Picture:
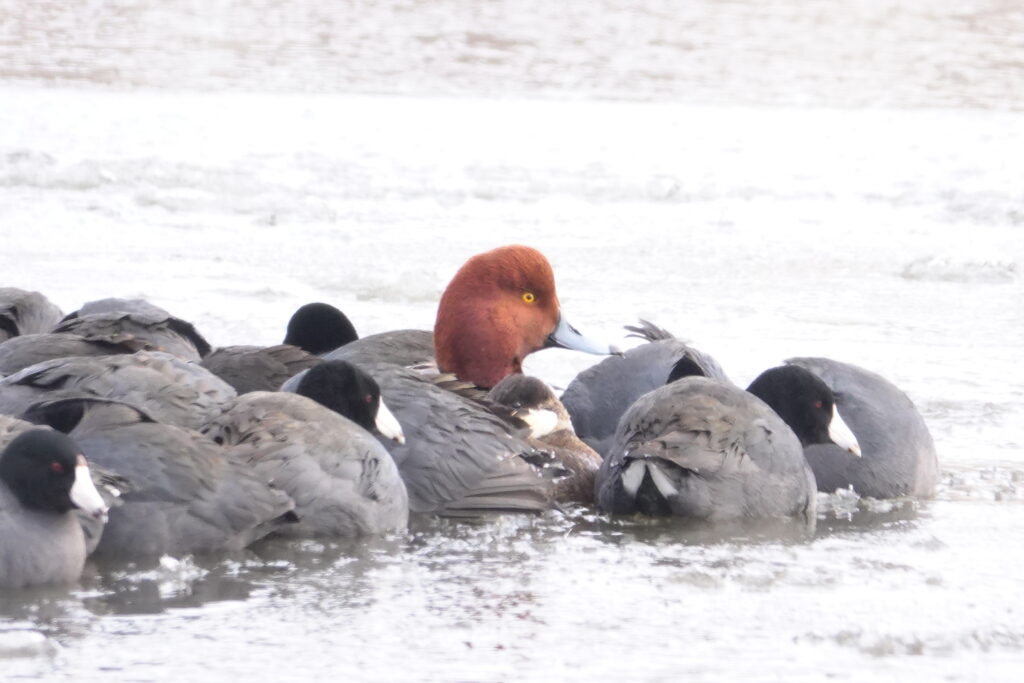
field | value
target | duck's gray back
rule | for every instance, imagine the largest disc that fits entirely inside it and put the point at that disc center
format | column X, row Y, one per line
column 898, row 454
column 458, row 458
column 398, row 347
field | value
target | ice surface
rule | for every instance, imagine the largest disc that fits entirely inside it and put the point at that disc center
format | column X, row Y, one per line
column 770, row 181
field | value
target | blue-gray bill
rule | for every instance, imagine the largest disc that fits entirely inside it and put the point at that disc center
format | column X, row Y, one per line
column 568, row 337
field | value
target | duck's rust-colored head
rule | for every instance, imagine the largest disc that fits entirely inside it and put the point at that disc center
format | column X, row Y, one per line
column 500, row 307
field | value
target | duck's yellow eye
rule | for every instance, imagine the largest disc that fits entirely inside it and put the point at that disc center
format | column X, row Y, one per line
column 528, row 297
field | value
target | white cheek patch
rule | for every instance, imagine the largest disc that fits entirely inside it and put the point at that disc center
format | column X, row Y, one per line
column 841, row 434
column 541, row 422
column 387, row 423
column 84, row 494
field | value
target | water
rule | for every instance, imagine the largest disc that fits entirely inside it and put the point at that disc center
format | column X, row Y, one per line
column 768, row 181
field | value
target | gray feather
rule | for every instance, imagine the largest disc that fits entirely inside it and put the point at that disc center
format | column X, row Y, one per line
column 343, row 481
column 172, row 390
column 258, row 368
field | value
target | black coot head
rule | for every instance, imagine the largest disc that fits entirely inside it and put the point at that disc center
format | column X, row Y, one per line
column 38, row 466
column 318, row 328
column 800, row 398
column 343, row 388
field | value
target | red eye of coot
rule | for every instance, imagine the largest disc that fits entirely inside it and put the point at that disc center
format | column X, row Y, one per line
column 817, row 404
column 369, row 398
column 57, row 467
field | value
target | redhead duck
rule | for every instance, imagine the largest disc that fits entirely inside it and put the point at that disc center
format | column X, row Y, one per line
column 24, row 312
column 43, row 478
column 531, row 400
column 459, row 458
column 705, row 450
column 898, row 455
column 500, row 306
column 316, row 446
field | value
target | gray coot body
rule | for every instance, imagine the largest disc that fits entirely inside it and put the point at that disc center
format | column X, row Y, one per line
column 343, row 481
column 701, row 449
column 170, row 389
column 898, row 454
column 43, row 478
column 25, row 312
column 102, row 328
column 258, row 368
column 137, row 319
column 187, row 494
column 109, row 485
column 21, row 352
column 169, row 335
column 397, row 347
